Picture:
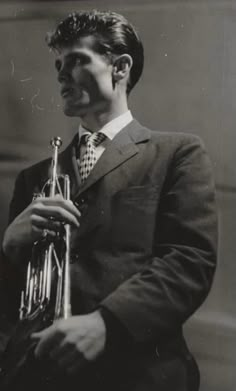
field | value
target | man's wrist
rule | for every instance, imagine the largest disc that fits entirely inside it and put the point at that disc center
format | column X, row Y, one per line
column 12, row 251
column 6, row 248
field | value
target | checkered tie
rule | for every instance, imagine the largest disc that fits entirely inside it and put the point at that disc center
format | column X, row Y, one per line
column 89, row 158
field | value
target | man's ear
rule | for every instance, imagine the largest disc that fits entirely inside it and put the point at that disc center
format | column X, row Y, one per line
column 121, row 67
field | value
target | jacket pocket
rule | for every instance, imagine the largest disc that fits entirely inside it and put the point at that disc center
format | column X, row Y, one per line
column 133, row 216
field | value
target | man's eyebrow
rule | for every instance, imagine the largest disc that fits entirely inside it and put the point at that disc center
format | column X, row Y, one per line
column 70, row 57
column 74, row 55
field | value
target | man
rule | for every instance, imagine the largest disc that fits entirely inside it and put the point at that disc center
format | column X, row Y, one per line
column 143, row 224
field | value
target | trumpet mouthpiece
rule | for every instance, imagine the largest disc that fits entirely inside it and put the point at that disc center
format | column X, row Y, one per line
column 56, row 142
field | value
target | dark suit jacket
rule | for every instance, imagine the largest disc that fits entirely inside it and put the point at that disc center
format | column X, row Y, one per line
column 145, row 250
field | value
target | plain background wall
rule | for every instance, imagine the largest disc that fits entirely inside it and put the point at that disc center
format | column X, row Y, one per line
column 189, row 84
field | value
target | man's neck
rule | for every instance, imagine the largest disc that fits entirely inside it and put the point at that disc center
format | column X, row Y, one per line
column 95, row 121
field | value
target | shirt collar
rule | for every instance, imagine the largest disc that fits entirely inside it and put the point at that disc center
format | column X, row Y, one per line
column 112, row 128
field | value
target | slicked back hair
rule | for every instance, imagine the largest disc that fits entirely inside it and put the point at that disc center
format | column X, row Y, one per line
column 113, row 34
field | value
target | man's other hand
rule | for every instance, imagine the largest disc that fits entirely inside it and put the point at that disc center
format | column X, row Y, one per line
column 72, row 342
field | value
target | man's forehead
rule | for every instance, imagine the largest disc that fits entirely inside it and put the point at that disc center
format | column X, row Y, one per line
column 83, row 44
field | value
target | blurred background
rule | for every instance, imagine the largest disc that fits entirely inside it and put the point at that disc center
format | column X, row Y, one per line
column 189, row 85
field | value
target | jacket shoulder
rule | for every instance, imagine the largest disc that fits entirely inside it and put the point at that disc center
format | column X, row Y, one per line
column 175, row 138
column 36, row 172
column 37, row 166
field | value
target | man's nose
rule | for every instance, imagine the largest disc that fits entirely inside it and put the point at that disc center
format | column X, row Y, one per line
column 64, row 74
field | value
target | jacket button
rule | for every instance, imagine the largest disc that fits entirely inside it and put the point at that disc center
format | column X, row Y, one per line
column 74, row 257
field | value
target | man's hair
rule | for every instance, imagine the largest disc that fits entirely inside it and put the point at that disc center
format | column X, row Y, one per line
column 113, row 34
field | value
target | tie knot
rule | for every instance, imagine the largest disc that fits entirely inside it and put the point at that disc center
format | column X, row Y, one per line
column 96, row 138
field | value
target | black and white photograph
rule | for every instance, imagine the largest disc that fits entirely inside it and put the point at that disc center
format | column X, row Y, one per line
column 117, row 195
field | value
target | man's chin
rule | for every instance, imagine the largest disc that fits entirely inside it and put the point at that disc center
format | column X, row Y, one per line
column 73, row 112
column 69, row 113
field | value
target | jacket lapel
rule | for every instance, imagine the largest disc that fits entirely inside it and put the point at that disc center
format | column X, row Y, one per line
column 122, row 147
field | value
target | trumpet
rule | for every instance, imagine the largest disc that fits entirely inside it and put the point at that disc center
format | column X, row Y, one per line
column 48, row 255
column 46, row 295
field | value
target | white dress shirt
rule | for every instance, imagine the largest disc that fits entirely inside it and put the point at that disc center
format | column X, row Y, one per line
column 111, row 129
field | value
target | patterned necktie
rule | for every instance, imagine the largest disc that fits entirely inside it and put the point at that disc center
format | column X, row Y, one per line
column 89, row 158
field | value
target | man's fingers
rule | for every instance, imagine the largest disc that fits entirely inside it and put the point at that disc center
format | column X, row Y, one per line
column 72, row 344
column 68, row 359
column 76, row 366
column 46, row 340
column 60, row 202
column 39, row 233
column 60, row 350
column 43, row 222
column 58, row 213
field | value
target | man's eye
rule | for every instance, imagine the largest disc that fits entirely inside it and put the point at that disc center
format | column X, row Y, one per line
column 78, row 61
column 81, row 60
column 58, row 65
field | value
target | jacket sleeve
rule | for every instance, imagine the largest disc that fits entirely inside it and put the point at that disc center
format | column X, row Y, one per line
column 159, row 299
column 11, row 275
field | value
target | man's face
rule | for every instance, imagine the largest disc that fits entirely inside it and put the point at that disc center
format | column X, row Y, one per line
column 85, row 77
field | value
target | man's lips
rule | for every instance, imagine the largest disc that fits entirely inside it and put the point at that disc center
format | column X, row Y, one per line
column 70, row 91
column 66, row 91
